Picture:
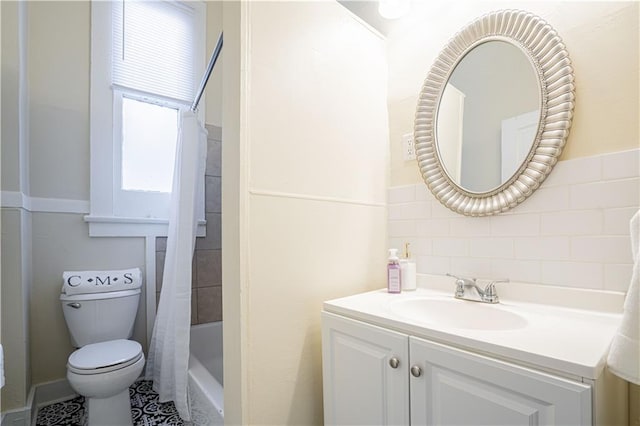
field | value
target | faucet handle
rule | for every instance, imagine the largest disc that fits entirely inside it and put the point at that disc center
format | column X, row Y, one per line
column 460, row 283
column 463, row 279
column 490, row 294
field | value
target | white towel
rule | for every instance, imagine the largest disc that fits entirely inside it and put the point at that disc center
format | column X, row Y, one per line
column 78, row 282
column 624, row 355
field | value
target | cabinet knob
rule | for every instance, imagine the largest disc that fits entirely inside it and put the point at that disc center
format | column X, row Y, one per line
column 394, row 362
column 416, row 371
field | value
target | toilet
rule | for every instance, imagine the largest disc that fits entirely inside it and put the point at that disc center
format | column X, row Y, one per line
column 106, row 363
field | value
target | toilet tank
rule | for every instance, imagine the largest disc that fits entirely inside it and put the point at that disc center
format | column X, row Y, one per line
column 98, row 317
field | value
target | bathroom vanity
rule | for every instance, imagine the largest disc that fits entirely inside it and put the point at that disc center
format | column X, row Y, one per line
column 426, row 358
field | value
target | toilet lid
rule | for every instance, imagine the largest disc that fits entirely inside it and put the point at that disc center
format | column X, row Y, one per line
column 105, row 354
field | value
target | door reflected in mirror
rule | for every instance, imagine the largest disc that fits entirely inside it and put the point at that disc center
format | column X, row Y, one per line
column 488, row 116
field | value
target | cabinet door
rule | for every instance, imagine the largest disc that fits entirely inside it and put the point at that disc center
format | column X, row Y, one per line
column 460, row 388
column 360, row 385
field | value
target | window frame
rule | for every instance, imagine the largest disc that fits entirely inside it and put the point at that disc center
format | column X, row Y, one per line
column 105, row 217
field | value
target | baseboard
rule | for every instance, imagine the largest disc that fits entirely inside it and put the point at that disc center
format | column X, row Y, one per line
column 18, row 417
column 40, row 395
column 52, row 392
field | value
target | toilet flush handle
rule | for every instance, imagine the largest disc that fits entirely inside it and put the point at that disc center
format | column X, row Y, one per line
column 74, row 305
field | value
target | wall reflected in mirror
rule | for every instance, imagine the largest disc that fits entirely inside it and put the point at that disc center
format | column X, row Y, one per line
column 488, row 116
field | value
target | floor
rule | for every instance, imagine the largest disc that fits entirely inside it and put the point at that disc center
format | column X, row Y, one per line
column 145, row 409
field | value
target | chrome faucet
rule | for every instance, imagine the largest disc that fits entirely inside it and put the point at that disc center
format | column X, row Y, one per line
column 488, row 295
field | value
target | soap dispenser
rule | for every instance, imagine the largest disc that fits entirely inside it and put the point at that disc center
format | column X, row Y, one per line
column 407, row 270
column 393, row 272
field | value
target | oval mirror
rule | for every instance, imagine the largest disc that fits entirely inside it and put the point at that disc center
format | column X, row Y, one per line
column 494, row 113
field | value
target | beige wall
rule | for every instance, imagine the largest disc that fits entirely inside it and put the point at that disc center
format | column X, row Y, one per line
column 10, row 49
column 603, row 43
column 15, row 224
column 303, row 208
column 57, row 167
column 61, row 242
column 58, row 52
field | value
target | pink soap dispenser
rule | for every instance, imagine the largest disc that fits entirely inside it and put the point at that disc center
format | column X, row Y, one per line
column 393, row 272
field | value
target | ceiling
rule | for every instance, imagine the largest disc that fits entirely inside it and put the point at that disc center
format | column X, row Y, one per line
column 368, row 12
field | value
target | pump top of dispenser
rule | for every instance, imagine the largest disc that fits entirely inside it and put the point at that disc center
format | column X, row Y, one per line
column 393, row 255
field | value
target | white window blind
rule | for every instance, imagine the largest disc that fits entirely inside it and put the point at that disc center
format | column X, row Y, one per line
column 153, row 48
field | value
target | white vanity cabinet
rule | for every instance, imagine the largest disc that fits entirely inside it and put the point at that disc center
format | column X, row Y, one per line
column 375, row 376
column 362, row 383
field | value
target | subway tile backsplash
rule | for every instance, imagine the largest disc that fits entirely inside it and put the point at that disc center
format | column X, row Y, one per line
column 573, row 231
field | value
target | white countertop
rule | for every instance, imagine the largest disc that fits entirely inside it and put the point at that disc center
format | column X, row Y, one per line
column 567, row 341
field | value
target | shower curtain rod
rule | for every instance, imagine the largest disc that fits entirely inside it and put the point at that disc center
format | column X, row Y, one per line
column 207, row 74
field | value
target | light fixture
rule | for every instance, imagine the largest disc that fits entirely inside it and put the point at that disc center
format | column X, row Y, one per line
column 393, row 9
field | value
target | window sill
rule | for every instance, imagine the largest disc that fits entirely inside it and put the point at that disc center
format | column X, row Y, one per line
column 113, row 226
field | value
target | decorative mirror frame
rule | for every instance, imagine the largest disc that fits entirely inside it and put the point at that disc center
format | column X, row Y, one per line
column 544, row 48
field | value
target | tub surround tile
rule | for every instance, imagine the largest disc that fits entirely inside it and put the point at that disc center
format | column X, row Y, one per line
column 160, row 256
column 209, row 306
column 213, row 240
column 213, row 194
column 209, row 267
column 574, row 231
column 161, row 243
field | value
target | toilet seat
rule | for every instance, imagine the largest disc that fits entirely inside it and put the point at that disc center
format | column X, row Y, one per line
column 103, row 357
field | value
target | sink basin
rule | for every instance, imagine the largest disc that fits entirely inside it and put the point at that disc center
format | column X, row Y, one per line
column 457, row 313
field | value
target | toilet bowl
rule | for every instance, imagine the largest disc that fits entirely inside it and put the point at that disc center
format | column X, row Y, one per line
column 102, row 373
column 106, row 363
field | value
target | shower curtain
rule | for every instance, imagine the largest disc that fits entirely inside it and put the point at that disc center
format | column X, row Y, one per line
column 169, row 349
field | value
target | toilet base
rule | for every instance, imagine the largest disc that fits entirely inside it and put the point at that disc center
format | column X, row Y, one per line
column 115, row 410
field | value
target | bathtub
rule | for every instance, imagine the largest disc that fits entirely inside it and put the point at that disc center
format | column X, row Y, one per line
column 205, row 385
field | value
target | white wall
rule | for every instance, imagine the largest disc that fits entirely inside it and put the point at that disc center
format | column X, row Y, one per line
column 313, row 161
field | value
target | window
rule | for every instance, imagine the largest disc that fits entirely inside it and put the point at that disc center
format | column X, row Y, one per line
column 147, row 58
